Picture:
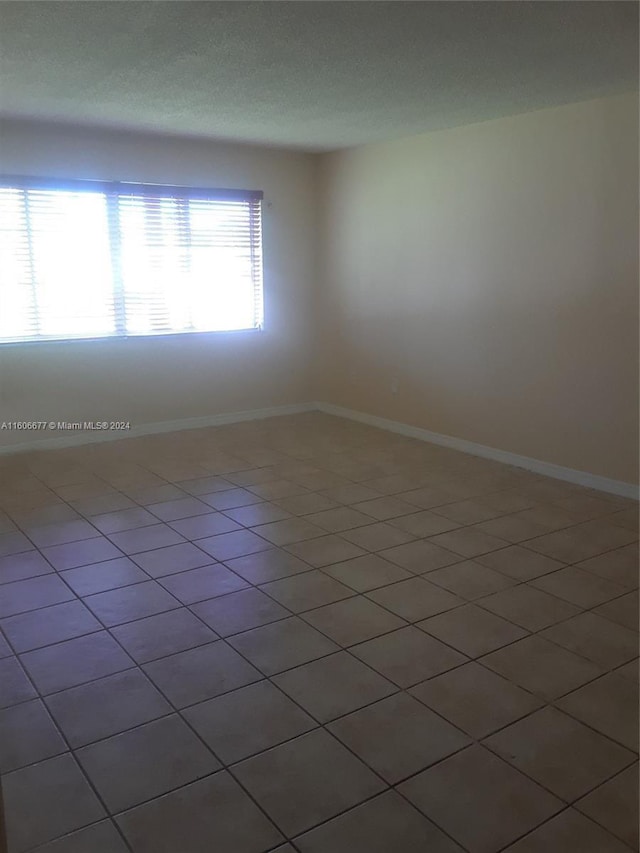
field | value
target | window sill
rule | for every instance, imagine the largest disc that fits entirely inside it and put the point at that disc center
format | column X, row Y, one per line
column 123, row 339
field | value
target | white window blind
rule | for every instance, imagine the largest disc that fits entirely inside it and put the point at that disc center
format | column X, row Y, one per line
column 84, row 259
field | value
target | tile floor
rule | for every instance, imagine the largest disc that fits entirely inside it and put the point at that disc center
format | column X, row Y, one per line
column 305, row 634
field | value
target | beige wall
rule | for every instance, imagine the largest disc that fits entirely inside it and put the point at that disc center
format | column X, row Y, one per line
column 146, row 380
column 493, row 270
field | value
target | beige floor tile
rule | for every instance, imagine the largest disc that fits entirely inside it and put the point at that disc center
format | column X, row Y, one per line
column 569, row 831
column 519, row 563
column 508, row 501
column 107, row 706
column 208, row 485
column 62, row 532
column 609, row 705
column 252, row 516
column 174, row 510
column 231, row 498
column 77, row 491
column 123, row 519
column 239, row 543
column 145, row 762
column 428, row 497
column 385, row 823
column 398, row 736
column 275, row 490
column 425, row 523
column 67, row 802
column 620, row 566
column 200, row 673
column 250, row 477
column 353, row 620
column 160, row 562
column 325, row 550
column 629, row 670
column 6, row 524
column 467, row 512
column 550, row 516
column 27, row 735
column 74, row 554
column 247, row 721
column 408, row 656
column 581, row 541
column 56, row 513
column 542, row 667
column 282, row 645
column 472, row 630
column 16, row 686
column 626, row 518
column 623, row 610
column 18, row 567
column 305, row 591
column 211, row 812
column 469, row 542
column 583, row 589
column 377, row 537
column 368, row 572
column 614, row 805
column 464, row 793
column 544, row 746
column 385, row 508
column 307, row 503
column 316, row 481
column 588, row 506
column 202, row 583
column 268, row 565
column 239, row 611
column 127, row 603
column 333, row 686
column 5, row 649
column 350, row 494
column 512, row 528
column 102, row 836
column 74, row 662
column 339, row 519
column 595, row 638
column 144, row 496
column 295, row 783
column 48, row 625
column 288, row 531
column 135, row 541
column 415, row 599
column 393, row 484
column 211, row 524
column 475, row 699
column 528, row 607
column 470, row 580
column 420, row 557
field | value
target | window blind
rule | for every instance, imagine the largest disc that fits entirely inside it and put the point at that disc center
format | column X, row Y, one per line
column 85, row 259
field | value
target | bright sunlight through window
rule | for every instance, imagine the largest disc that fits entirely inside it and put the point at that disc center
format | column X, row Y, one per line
column 82, row 259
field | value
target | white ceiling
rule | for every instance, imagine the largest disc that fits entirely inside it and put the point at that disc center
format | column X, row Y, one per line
column 310, row 75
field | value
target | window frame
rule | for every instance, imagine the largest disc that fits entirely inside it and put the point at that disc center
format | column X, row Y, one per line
column 111, row 189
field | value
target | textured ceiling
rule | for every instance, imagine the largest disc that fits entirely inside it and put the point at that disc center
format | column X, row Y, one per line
column 311, row 75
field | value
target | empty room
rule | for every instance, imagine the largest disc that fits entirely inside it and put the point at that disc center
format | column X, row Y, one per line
column 319, row 389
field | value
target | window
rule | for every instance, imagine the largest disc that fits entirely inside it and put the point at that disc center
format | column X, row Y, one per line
column 84, row 259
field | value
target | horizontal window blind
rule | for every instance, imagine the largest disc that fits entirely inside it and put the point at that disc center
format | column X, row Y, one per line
column 84, row 259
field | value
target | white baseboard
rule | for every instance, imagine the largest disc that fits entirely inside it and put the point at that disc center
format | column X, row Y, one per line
column 547, row 469
column 75, row 439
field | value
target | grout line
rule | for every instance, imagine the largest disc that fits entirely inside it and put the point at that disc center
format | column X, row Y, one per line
column 71, row 753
